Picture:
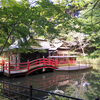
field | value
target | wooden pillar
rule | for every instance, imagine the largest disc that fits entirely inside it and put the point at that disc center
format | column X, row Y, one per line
column 59, row 60
column 49, row 61
column 36, row 62
column 74, row 60
column 16, row 59
column 3, row 65
column 43, row 61
column 68, row 63
column 28, row 65
column 39, row 60
column 65, row 60
column 56, row 63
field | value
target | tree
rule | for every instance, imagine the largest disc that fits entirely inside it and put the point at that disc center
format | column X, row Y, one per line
column 90, row 19
column 87, row 21
column 93, row 89
column 12, row 23
column 79, row 39
column 45, row 18
column 18, row 18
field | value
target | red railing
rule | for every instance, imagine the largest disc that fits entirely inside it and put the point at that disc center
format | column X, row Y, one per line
column 27, row 66
column 70, row 60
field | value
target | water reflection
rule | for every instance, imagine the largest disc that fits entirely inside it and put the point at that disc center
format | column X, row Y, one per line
column 72, row 84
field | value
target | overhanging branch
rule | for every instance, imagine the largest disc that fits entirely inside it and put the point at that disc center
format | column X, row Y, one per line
column 91, row 8
column 13, row 27
column 5, row 21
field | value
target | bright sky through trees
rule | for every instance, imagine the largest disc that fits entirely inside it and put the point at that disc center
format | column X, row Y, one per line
column 36, row 0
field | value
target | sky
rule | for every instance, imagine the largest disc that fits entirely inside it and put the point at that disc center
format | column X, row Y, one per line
column 36, row 0
column 31, row 1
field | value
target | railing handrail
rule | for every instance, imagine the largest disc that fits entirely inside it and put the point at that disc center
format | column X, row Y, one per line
column 31, row 61
column 38, row 90
column 29, row 66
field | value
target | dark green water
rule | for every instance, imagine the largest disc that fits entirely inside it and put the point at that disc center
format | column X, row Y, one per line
column 81, row 84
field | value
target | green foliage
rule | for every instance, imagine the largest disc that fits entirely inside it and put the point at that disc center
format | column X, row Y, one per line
column 93, row 90
column 55, row 97
column 11, row 11
column 2, row 98
column 19, row 20
column 49, row 20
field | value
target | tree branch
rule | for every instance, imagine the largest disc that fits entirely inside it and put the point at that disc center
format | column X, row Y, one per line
column 91, row 8
column 84, row 45
column 97, row 22
column 13, row 28
column 4, row 21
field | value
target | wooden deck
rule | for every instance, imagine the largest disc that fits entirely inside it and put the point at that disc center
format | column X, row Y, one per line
column 63, row 68
column 74, row 67
column 41, row 63
column 25, row 68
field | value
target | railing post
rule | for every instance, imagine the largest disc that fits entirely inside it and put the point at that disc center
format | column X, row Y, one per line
column 49, row 61
column 3, row 65
column 43, row 61
column 9, row 69
column 68, row 63
column 65, row 60
column 96, row 98
column 52, row 62
column 30, row 92
column 28, row 65
column 36, row 62
column 79, row 64
column 56, row 63
column 39, row 61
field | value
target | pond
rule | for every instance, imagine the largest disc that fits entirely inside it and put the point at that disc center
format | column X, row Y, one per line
column 80, row 84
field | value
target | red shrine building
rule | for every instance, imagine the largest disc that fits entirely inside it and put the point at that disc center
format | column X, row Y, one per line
column 60, row 52
column 56, row 50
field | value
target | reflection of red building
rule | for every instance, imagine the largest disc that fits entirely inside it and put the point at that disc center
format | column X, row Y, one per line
column 55, row 80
